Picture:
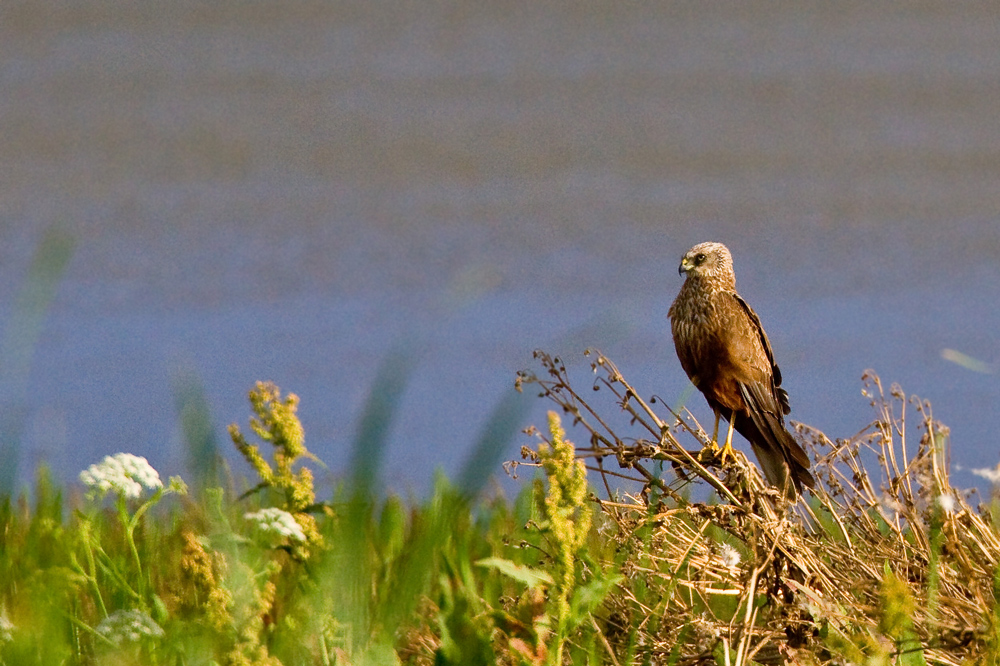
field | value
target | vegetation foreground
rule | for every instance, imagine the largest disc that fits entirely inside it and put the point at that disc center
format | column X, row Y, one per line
column 672, row 561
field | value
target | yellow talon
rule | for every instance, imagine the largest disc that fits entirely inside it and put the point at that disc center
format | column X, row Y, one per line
column 727, row 450
column 712, row 451
column 726, row 453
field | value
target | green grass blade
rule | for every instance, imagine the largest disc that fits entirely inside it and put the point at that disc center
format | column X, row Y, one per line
column 506, row 420
column 200, row 442
column 381, row 406
column 18, row 345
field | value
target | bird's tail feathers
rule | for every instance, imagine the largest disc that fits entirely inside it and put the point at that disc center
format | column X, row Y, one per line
column 777, row 451
column 776, row 470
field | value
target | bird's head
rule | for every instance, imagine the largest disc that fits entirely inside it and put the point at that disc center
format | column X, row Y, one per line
column 709, row 261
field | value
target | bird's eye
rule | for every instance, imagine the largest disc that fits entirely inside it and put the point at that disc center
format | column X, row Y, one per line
column 700, row 259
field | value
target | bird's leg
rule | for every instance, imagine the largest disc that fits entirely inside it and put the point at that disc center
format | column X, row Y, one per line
column 727, row 450
column 711, row 450
column 715, row 430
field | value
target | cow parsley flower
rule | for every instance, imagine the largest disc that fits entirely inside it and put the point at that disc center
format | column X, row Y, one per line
column 276, row 525
column 128, row 626
column 123, row 473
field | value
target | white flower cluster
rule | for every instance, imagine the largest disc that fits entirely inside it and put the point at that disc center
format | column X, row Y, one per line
column 123, row 473
column 276, row 525
column 126, row 626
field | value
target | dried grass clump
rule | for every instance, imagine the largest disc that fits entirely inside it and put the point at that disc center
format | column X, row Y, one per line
column 884, row 562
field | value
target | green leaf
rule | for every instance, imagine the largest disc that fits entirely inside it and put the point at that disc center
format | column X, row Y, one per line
column 588, row 597
column 531, row 577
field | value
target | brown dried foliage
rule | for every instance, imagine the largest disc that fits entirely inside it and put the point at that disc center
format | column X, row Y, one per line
column 744, row 576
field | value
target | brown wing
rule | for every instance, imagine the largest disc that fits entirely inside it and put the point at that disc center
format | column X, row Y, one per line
column 779, row 394
column 720, row 347
column 766, row 403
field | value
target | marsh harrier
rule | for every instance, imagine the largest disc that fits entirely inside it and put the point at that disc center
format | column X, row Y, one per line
column 724, row 350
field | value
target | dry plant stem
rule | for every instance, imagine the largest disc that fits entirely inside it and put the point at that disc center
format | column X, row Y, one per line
column 808, row 570
column 604, row 641
column 670, row 448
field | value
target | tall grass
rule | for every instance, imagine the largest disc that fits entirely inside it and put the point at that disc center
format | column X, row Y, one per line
column 138, row 572
column 675, row 561
column 17, row 347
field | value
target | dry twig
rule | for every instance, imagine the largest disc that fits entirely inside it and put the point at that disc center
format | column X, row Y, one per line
column 749, row 574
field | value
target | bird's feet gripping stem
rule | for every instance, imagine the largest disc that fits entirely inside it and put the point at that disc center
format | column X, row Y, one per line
column 712, row 452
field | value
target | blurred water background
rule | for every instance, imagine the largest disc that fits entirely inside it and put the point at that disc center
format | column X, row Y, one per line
column 290, row 190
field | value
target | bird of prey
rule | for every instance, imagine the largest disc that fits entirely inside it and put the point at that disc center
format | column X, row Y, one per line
column 725, row 352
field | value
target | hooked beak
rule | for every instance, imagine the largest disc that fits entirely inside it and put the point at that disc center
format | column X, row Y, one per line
column 684, row 267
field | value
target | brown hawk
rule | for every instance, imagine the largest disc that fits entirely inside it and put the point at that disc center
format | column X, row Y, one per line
column 724, row 350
